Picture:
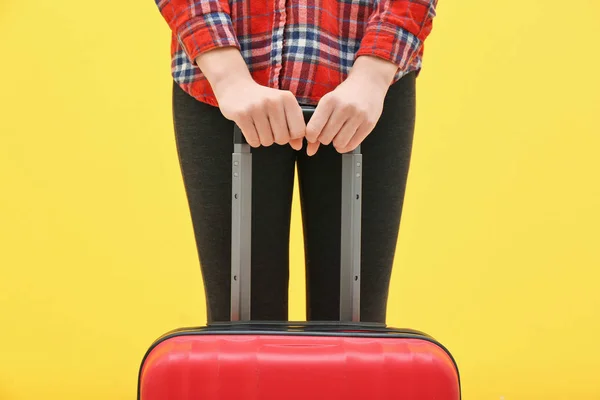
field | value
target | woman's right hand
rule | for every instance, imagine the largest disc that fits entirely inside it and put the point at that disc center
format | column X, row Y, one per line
column 264, row 115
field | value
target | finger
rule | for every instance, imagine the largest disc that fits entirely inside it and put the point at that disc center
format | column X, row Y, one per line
column 347, row 131
column 333, row 126
column 263, row 127
column 311, row 148
column 249, row 131
column 294, row 116
column 278, row 123
column 296, row 144
column 318, row 120
column 361, row 134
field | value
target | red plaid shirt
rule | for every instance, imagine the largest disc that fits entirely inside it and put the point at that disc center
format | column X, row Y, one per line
column 304, row 46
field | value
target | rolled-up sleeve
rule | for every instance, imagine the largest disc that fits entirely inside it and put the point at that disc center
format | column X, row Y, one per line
column 397, row 29
column 199, row 25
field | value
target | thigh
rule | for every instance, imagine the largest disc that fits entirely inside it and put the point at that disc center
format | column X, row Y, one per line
column 204, row 145
column 386, row 156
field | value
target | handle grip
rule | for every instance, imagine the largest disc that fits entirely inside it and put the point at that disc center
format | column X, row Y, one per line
column 241, row 229
column 238, row 136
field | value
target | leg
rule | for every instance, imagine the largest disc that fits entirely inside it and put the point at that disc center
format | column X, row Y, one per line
column 204, row 141
column 386, row 156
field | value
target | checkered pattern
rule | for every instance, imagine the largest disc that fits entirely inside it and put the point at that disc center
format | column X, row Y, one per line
column 305, row 46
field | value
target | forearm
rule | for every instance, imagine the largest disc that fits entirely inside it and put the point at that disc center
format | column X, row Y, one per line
column 199, row 26
column 397, row 29
column 223, row 67
column 374, row 71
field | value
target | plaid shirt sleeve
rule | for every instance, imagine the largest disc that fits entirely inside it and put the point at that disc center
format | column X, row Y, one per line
column 397, row 29
column 199, row 25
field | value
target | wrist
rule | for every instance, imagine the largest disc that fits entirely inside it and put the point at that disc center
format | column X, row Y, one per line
column 224, row 82
column 224, row 68
column 373, row 70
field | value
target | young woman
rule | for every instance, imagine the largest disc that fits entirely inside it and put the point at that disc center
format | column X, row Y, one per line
column 254, row 63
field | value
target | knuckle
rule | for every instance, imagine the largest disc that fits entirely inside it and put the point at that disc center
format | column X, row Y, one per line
column 296, row 135
column 239, row 114
column 328, row 99
column 366, row 116
column 287, row 95
column 360, row 111
column 352, row 107
column 258, row 106
column 271, row 102
column 247, row 111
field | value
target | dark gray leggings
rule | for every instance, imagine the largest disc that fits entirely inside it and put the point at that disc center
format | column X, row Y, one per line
column 204, row 144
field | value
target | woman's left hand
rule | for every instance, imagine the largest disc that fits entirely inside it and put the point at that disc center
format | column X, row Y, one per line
column 348, row 114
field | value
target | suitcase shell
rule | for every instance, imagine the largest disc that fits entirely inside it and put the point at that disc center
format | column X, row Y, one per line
column 270, row 361
column 250, row 360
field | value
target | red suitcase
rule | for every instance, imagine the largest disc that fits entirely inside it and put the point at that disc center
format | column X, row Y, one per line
column 244, row 359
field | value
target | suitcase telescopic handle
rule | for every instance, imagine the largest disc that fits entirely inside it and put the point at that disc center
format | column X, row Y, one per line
column 241, row 217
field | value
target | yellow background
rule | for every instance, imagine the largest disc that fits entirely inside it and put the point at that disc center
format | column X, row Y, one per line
column 499, row 252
